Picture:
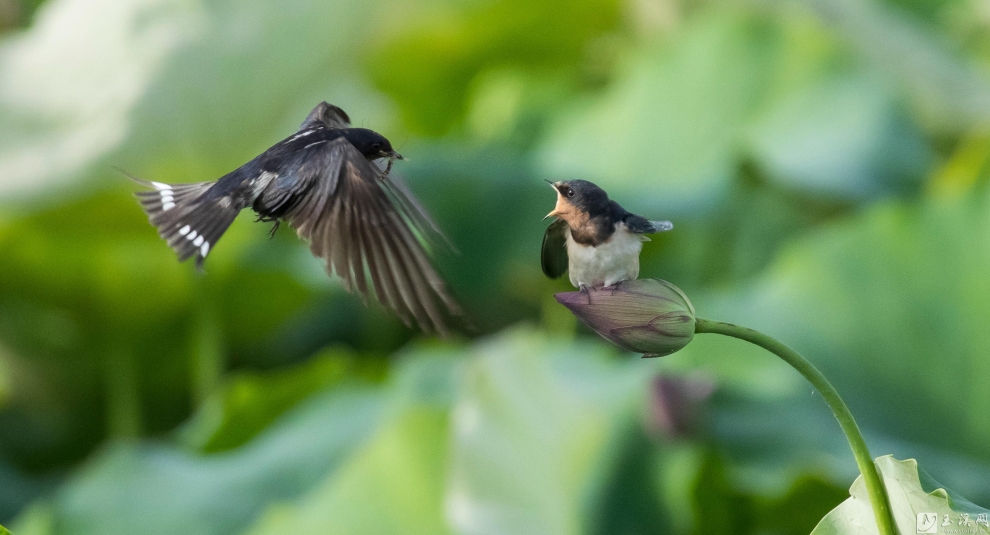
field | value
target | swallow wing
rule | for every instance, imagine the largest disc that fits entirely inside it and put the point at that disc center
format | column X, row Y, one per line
column 326, row 114
column 357, row 221
column 553, row 255
column 417, row 214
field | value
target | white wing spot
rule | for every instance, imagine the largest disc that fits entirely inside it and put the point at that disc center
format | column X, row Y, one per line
column 191, row 236
column 168, row 206
column 199, row 241
column 205, row 249
column 184, row 230
column 167, row 198
column 259, row 184
column 160, row 186
column 301, row 134
column 314, row 143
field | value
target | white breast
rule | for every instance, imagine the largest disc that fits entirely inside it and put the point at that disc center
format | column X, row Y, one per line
column 613, row 261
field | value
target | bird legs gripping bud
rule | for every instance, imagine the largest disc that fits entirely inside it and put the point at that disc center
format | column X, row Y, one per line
column 584, row 289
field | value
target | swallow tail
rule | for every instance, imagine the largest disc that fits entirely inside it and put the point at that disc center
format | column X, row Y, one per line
column 186, row 218
column 641, row 225
column 661, row 226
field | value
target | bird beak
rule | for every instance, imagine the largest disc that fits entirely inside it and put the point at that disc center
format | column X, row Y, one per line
column 556, row 209
column 395, row 156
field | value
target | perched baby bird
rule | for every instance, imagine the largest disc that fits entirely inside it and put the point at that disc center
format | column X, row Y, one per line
column 594, row 237
column 322, row 180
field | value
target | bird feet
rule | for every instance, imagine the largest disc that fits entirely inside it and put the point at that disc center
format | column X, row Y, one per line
column 615, row 287
column 586, row 291
column 263, row 219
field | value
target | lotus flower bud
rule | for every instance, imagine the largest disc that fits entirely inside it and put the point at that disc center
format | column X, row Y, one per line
column 648, row 316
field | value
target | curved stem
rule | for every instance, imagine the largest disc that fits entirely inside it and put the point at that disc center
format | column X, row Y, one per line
column 874, row 485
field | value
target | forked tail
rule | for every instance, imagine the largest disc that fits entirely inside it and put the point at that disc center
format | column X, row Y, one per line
column 189, row 221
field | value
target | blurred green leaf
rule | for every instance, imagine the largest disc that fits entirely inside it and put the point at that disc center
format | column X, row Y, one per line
column 672, row 118
column 844, row 136
column 948, row 89
column 393, row 485
column 753, row 125
column 799, row 509
column 250, row 401
column 17, row 14
column 534, row 428
column 395, row 482
column 732, row 86
column 907, row 501
column 108, row 54
column 872, row 300
column 148, row 488
column 704, row 490
column 427, row 59
column 129, row 63
column 490, row 417
column 629, row 499
column 92, row 301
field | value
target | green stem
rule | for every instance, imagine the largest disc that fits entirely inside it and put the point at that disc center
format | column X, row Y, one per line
column 874, row 485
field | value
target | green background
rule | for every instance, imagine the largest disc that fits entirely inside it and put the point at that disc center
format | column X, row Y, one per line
column 824, row 163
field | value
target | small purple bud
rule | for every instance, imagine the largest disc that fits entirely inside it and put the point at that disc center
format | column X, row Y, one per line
column 648, row 316
column 675, row 403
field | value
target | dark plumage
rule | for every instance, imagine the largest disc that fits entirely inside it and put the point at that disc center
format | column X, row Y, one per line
column 323, row 181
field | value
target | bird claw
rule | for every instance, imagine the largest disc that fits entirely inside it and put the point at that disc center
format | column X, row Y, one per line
column 263, row 219
column 586, row 291
column 615, row 287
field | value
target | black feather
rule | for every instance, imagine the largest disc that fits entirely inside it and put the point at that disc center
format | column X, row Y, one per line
column 189, row 215
column 641, row 225
column 638, row 224
column 328, row 115
column 553, row 255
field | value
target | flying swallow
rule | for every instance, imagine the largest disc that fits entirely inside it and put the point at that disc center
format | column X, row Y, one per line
column 324, row 181
column 593, row 238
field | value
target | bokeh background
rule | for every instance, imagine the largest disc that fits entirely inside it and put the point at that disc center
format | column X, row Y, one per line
column 824, row 162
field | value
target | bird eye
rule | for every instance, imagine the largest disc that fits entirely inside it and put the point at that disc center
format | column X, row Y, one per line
column 376, row 145
column 570, row 192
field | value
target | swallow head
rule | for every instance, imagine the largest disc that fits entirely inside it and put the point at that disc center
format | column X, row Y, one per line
column 371, row 144
column 578, row 200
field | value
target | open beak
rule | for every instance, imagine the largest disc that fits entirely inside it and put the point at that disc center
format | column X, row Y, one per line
column 556, row 209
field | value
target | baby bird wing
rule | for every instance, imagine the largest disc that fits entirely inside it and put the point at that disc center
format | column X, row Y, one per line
column 554, row 253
